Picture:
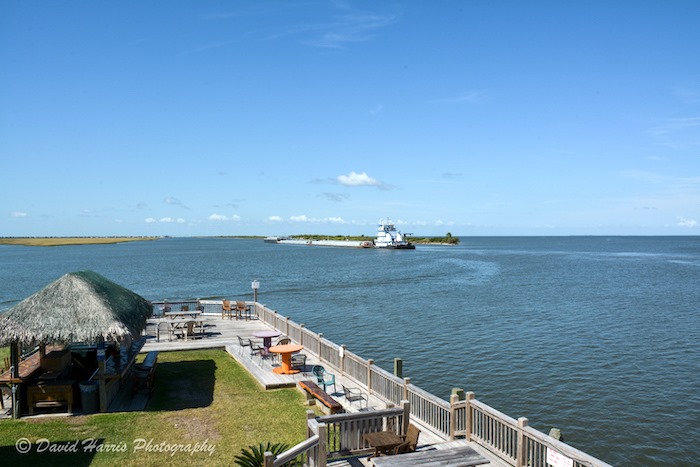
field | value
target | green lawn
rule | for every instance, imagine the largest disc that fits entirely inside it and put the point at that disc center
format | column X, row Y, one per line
column 203, row 399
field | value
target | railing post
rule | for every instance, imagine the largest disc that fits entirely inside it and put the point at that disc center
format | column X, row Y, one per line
column 469, row 396
column 454, row 398
column 309, row 416
column 341, row 351
column 322, row 445
column 406, row 382
column 269, row 459
column 301, row 334
column 406, row 406
column 320, row 336
column 522, row 451
column 370, row 362
column 286, row 326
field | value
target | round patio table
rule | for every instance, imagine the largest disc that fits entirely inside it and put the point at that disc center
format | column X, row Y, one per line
column 286, row 352
column 267, row 337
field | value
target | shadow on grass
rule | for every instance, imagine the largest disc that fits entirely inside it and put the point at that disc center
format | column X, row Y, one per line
column 183, row 385
column 55, row 453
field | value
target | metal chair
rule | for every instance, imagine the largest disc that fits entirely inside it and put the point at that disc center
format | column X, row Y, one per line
column 354, row 394
column 242, row 343
column 299, row 361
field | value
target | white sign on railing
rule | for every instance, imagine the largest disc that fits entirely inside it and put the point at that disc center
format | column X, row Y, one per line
column 557, row 459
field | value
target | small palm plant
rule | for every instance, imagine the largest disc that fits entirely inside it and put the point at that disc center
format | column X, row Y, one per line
column 254, row 456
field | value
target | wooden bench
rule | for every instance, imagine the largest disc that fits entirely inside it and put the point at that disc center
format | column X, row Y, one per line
column 313, row 390
column 145, row 372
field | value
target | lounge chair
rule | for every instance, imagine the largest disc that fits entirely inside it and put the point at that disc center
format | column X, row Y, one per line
column 323, row 377
column 354, row 394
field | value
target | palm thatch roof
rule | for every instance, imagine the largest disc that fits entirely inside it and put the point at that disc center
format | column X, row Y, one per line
column 78, row 307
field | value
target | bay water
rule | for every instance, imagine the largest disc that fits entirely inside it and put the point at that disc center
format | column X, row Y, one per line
column 597, row 336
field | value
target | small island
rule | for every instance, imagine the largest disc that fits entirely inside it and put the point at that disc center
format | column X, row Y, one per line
column 62, row 241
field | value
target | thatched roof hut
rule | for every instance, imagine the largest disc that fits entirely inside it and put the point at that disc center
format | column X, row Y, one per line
column 78, row 307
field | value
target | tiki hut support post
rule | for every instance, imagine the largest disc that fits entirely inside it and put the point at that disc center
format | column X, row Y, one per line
column 14, row 363
column 101, row 374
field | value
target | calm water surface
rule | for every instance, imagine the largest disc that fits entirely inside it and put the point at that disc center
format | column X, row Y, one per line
column 597, row 336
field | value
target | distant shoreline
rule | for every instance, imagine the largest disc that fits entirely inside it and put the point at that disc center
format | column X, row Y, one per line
column 63, row 241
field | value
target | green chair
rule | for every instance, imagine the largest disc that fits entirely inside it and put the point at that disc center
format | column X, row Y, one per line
column 323, row 377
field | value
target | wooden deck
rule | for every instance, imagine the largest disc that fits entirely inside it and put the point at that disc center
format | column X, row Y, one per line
column 223, row 333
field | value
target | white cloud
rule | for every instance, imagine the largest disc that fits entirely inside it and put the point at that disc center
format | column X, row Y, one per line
column 221, row 217
column 166, row 220
column 274, row 219
column 150, row 220
column 358, row 179
column 301, row 218
column 19, row 214
column 683, row 222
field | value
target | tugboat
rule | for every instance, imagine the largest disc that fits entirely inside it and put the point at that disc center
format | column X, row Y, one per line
column 390, row 238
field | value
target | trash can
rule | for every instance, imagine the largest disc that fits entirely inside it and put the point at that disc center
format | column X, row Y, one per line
column 89, row 396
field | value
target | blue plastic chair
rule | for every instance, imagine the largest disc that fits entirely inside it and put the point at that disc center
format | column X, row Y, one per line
column 323, row 377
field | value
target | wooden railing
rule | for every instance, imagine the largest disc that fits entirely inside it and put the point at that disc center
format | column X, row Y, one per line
column 512, row 440
column 338, row 435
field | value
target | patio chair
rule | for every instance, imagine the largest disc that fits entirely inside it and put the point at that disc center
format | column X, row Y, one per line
column 411, row 440
column 354, row 394
column 259, row 350
column 242, row 310
column 165, row 329
column 244, row 343
column 284, row 340
column 299, row 361
column 187, row 331
column 226, row 309
column 323, row 377
column 184, row 308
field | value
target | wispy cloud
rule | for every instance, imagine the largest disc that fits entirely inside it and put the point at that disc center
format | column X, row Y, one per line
column 347, row 28
column 467, row 97
column 336, row 197
column 376, row 109
column 450, row 175
column 274, row 219
column 172, row 201
column 18, row 214
column 673, row 125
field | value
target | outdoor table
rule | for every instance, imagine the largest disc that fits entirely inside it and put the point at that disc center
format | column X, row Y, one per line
column 183, row 325
column 182, row 314
column 286, row 352
column 462, row 456
column 382, row 441
column 267, row 337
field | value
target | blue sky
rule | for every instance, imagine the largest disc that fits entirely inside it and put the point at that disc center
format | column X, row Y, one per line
column 242, row 117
